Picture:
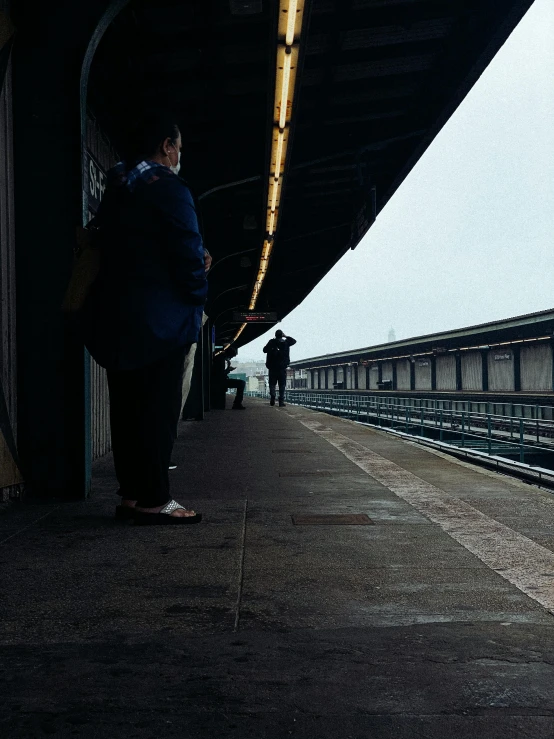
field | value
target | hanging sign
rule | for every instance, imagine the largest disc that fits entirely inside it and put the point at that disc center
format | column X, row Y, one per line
column 252, row 316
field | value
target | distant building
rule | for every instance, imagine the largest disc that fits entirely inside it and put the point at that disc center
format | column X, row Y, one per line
column 257, row 384
column 296, row 378
column 257, row 376
column 252, row 368
column 392, row 335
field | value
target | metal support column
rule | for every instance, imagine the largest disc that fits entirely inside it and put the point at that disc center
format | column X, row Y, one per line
column 552, row 355
column 485, row 366
column 517, row 368
column 458, row 371
column 55, row 43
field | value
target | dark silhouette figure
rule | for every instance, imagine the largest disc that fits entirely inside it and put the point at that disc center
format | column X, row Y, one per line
column 221, row 368
column 277, row 361
column 144, row 311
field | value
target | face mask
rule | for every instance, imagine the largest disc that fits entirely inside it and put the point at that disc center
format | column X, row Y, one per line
column 175, row 169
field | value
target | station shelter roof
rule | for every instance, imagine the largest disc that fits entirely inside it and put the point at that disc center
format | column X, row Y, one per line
column 375, row 80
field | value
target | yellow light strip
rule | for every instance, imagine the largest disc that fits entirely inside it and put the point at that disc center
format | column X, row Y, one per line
column 287, row 63
column 278, row 161
column 291, row 22
column 271, row 223
column 291, row 13
column 284, row 104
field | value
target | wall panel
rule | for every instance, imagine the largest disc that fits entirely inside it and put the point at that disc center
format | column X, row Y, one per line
column 10, row 476
column 373, row 376
column 423, row 374
column 100, row 149
column 472, row 371
column 403, row 374
column 446, row 372
column 387, row 371
column 349, row 383
column 501, row 370
column 536, row 367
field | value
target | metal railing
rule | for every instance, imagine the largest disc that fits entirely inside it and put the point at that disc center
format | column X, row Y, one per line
column 512, row 430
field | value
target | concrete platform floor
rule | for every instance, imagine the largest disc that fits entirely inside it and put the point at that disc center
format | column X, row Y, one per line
column 434, row 621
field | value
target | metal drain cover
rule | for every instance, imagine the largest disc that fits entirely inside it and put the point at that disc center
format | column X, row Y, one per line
column 333, row 519
column 291, row 451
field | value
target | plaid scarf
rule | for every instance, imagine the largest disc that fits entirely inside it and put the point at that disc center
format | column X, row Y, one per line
column 120, row 176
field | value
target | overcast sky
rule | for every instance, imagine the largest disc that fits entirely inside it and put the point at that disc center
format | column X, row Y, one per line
column 469, row 236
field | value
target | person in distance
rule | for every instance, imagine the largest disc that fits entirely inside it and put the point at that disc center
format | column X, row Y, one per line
column 221, row 367
column 277, row 361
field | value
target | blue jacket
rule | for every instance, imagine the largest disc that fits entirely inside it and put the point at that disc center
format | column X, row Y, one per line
column 148, row 297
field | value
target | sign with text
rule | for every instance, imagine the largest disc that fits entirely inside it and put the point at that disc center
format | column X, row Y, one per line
column 95, row 182
column 252, row 316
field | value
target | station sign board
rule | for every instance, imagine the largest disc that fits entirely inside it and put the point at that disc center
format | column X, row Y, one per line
column 252, row 316
column 95, row 182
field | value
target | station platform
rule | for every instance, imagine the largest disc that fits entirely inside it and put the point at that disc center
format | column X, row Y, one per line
column 430, row 618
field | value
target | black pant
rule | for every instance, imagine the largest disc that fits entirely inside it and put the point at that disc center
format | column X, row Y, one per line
column 239, row 385
column 278, row 375
column 144, row 411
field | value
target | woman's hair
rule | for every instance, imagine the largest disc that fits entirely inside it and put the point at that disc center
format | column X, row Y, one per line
column 147, row 133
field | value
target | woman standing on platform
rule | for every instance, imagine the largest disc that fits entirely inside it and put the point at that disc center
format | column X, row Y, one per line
column 143, row 313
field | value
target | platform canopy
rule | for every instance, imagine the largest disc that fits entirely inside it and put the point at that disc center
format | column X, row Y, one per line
column 370, row 84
